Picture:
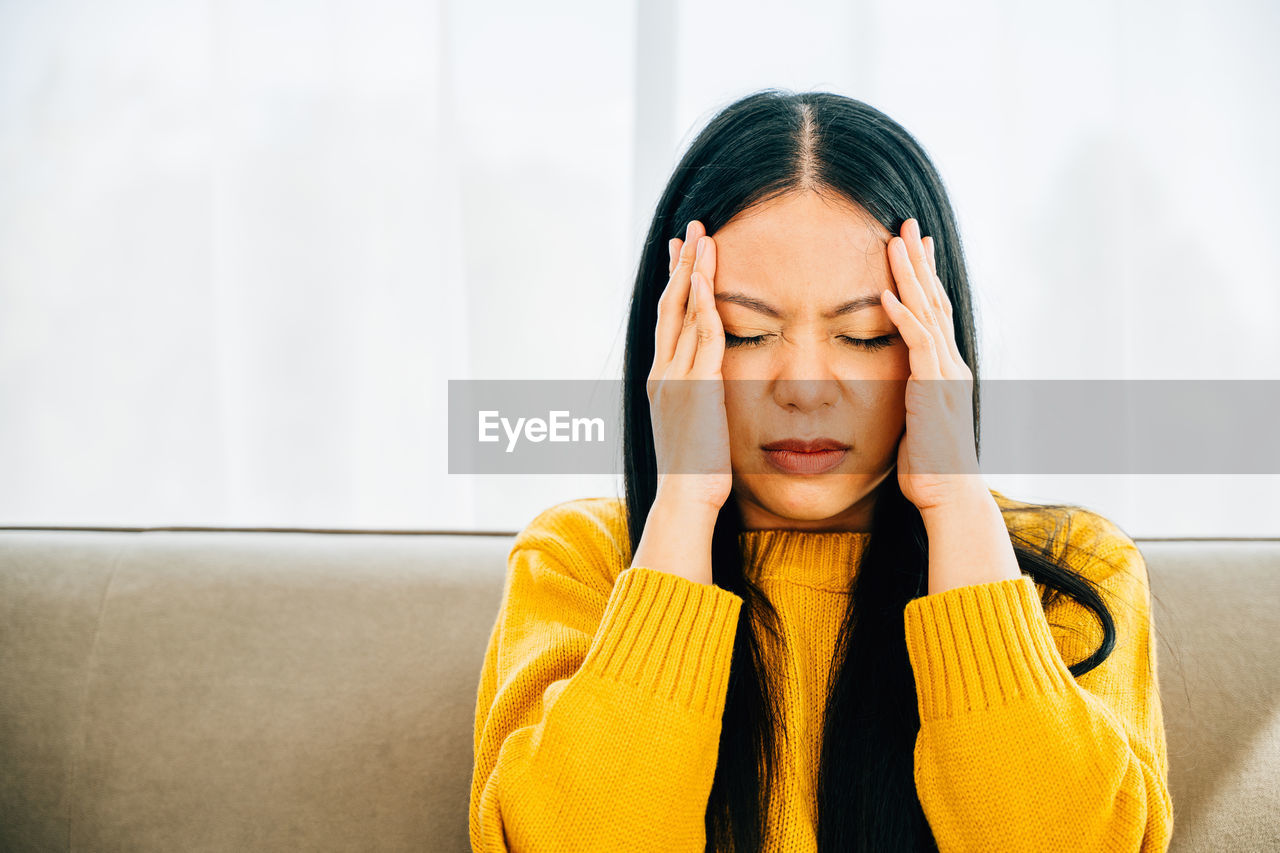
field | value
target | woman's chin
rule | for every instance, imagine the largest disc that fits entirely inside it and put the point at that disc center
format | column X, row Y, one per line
column 806, row 498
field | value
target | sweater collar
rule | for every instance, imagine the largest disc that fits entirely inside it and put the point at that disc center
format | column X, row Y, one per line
column 822, row 559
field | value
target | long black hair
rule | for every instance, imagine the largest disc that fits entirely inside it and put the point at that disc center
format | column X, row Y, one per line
column 768, row 144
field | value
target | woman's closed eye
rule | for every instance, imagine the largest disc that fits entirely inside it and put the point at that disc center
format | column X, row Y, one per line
column 731, row 341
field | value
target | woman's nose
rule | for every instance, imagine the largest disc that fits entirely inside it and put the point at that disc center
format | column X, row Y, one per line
column 805, row 379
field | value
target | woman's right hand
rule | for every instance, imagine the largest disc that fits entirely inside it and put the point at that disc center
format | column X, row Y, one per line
column 690, row 422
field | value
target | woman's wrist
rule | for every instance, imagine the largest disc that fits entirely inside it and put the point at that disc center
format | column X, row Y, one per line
column 969, row 544
column 677, row 537
column 685, row 501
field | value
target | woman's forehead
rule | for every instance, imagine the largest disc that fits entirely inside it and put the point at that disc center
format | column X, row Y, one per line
column 803, row 218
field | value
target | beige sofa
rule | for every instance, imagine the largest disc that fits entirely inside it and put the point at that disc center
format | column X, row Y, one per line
column 264, row 690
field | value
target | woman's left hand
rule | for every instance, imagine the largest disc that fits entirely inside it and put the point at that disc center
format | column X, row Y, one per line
column 937, row 460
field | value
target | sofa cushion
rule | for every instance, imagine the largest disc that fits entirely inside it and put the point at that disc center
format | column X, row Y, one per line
column 227, row 690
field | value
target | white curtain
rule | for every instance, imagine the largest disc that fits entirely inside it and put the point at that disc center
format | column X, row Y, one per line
column 244, row 246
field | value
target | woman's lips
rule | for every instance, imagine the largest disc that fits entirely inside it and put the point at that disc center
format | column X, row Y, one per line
column 795, row 462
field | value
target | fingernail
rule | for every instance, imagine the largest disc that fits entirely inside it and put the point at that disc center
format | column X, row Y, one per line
column 688, row 231
column 697, row 256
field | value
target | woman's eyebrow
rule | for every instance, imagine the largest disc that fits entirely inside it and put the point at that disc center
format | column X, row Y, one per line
column 870, row 301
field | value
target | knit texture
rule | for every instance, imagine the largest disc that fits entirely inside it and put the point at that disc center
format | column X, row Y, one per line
column 598, row 714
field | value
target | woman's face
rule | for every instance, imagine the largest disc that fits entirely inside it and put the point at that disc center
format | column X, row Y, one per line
column 779, row 268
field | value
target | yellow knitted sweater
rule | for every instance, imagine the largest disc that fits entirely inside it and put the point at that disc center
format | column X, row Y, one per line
column 599, row 707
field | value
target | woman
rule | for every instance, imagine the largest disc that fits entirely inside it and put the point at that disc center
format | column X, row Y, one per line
column 777, row 646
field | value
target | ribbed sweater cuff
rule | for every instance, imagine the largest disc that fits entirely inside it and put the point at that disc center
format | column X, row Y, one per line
column 981, row 645
column 669, row 636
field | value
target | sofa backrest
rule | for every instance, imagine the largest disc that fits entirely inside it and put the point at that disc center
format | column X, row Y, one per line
column 234, row 690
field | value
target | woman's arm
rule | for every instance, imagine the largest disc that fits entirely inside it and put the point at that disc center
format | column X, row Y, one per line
column 1016, row 754
column 599, row 710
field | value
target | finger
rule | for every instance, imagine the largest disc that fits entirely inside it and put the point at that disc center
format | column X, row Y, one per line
column 921, row 292
column 921, row 269
column 673, row 304
column 922, row 351
column 941, row 306
column 933, row 265
column 706, row 262
column 701, row 349
column 673, row 250
column 689, row 334
column 925, row 273
column 707, row 361
column 910, row 290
